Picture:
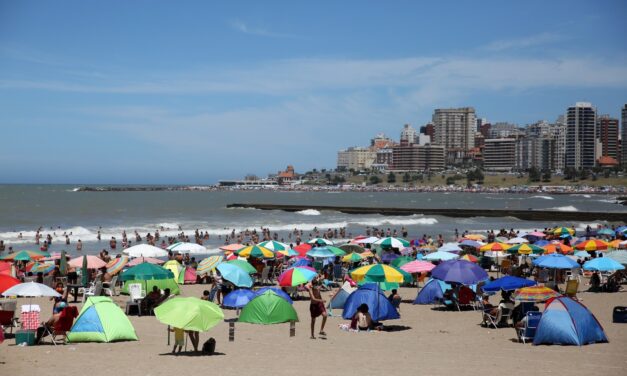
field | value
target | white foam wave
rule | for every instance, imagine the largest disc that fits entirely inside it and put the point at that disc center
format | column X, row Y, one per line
column 568, row 208
column 396, row 221
column 543, row 197
column 309, row 212
column 609, row 201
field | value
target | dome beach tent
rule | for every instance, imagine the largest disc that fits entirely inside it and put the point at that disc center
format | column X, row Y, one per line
column 177, row 270
column 432, row 291
column 149, row 275
column 568, row 322
column 101, row 320
column 268, row 308
column 379, row 306
column 339, row 299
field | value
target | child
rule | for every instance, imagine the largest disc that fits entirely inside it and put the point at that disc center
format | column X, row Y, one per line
column 179, row 339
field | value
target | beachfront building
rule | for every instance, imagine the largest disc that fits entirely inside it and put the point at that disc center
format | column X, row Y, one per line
column 607, row 134
column 414, row 157
column 623, row 113
column 381, row 141
column 356, row 158
column 542, row 147
column 454, row 128
column 581, row 142
column 383, row 160
column 408, row 135
column 499, row 154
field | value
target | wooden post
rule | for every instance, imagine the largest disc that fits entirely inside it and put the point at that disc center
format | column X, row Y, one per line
column 292, row 329
column 231, row 331
column 168, row 335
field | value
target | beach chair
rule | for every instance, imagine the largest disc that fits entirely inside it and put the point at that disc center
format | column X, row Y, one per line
column 502, row 316
column 96, row 290
column 66, row 320
column 8, row 319
column 466, row 298
column 572, row 286
column 136, row 294
column 527, row 332
column 110, row 288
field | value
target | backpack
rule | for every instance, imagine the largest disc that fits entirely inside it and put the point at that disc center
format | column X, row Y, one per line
column 209, row 347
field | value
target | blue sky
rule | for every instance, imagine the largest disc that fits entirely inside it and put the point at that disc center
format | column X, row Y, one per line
column 191, row 92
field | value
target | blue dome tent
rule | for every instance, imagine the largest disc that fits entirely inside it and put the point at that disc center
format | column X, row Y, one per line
column 431, row 292
column 567, row 322
column 379, row 306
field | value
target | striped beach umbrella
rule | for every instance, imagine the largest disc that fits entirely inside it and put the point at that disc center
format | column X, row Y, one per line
column 366, row 254
column 534, row 294
column 352, row 257
column 320, row 241
column 296, row 276
column 525, row 249
column 563, row 231
column 208, row 264
column 469, row 257
column 391, row 242
column 592, row 245
column 288, row 252
column 117, row 264
column 274, row 246
column 400, row 261
column 337, row 251
column 302, row 249
column 40, row 267
column 557, row 248
column 380, row 273
column 418, row 266
column 256, row 252
column 25, row 256
column 495, row 247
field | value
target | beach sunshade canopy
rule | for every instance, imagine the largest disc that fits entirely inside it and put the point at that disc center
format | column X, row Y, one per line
column 568, row 322
column 244, row 265
column 302, row 249
column 469, row 257
column 563, row 231
column 495, row 247
column 352, row 257
column 606, row 232
column 555, row 261
column 232, row 247
column 603, row 264
column 535, row 294
column 525, row 249
column 320, row 241
column 348, row 248
column 336, row 250
column 31, row 289
column 296, row 276
column 146, row 271
column 238, row 298
column 117, row 264
column 379, row 307
column 619, row 256
column 417, row 266
column 592, row 245
column 274, row 246
column 6, row 282
column 366, row 254
column 207, row 265
column 101, row 320
column 557, row 248
column 517, row 240
column 40, row 267
column 93, row 262
column 189, row 313
column 459, row 271
column 320, row 252
column 441, row 256
column 145, row 250
column 25, row 256
column 391, row 242
column 141, row 260
column 581, row 254
column 191, row 248
column 288, row 252
column 400, row 261
column 432, row 292
column 256, row 252
column 450, row 247
column 277, row 291
column 471, row 243
column 235, row 275
column 268, row 308
column 380, row 273
column 507, row 283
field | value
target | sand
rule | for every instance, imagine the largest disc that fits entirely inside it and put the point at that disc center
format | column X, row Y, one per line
column 426, row 341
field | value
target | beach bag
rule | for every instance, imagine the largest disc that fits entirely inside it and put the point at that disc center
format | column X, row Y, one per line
column 209, row 347
column 620, row 315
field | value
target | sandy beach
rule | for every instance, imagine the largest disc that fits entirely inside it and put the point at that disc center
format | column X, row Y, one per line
column 424, row 341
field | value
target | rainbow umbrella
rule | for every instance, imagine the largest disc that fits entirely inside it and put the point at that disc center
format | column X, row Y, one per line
column 557, row 248
column 563, row 231
column 352, row 257
column 207, row 265
column 525, row 249
column 592, row 245
column 256, row 252
column 534, row 294
column 244, row 265
column 469, row 257
column 117, row 264
column 40, row 267
column 25, row 256
column 380, row 273
column 494, row 247
column 274, row 246
column 296, row 276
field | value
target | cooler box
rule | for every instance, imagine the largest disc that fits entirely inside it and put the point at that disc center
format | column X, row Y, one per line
column 25, row 336
column 620, row 315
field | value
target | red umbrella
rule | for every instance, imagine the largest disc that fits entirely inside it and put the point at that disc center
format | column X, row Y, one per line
column 6, row 282
column 5, row 268
column 302, row 249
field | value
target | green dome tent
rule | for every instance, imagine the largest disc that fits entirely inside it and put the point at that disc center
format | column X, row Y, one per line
column 101, row 320
column 268, row 308
column 149, row 275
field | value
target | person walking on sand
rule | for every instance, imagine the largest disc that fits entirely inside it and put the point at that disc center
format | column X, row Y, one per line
column 316, row 307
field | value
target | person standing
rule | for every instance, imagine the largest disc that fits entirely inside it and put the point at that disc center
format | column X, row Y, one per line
column 316, row 307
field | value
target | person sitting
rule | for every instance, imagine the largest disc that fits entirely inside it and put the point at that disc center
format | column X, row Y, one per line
column 205, row 295
column 395, row 298
column 48, row 326
column 449, row 300
column 595, row 282
column 151, row 300
column 362, row 319
column 519, row 312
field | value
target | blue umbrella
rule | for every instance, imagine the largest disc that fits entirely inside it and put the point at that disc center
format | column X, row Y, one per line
column 471, row 243
column 555, row 261
column 603, row 264
column 459, row 271
column 606, row 231
column 440, row 255
column 302, row 262
column 507, row 283
column 238, row 298
column 320, row 252
column 582, row 254
column 542, row 243
column 235, row 275
column 622, row 230
column 277, row 291
column 620, row 256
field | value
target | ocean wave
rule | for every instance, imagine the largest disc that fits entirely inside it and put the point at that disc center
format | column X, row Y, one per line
column 308, row 212
column 543, row 197
column 568, row 208
column 396, row 221
column 609, row 201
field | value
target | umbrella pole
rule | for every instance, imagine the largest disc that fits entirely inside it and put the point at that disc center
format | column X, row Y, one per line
column 168, row 335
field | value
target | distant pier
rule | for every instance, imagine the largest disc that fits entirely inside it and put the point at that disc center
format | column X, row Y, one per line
column 529, row 215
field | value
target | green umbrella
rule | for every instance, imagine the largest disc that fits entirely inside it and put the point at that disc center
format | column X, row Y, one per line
column 63, row 264
column 268, row 308
column 244, row 265
column 189, row 314
column 146, row 271
column 400, row 261
column 84, row 272
column 337, row 251
column 348, row 248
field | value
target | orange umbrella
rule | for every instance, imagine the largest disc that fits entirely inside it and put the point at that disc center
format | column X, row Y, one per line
column 592, row 245
column 475, row 237
column 557, row 247
column 615, row 244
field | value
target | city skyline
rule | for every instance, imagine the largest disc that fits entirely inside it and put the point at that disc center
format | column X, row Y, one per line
column 132, row 93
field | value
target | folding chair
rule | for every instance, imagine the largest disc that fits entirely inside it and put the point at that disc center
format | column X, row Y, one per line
column 64, row 325
column 8, row 319
column 572, row 286
column 527, row 332
column 110, row 287
column 95, row 291
column 136, row 294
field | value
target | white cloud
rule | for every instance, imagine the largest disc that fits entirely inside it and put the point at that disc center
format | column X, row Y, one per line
column 525, row 42
column 242, row 27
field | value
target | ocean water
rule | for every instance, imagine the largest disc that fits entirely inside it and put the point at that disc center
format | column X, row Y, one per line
column 58, row 209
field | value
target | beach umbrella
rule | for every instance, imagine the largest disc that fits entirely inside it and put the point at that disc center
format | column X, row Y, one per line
column 557, row 248
column 336, row 250
column 255, row 251
column 146, row 271
column 581, row 254
column 517, row 240
column 302, row 249
column 274, row 246
column 320, row 241
column 541, row 243
column 368, row 240
column 450, row 247
column 417, row 266
column 207, row 265
column 352, row 257
column 268, row 308
column 235, row 275
column 320, row 252
column 475, row 237
column 244, row 265
column 6, row 282
column 400, row 261
column 380, row 273
column 563, row 231
column 145, row 250
column 185, row 247
column 495, row 247
column 534, row 234
column 238, row 298
column 459, row 271
column 555, row 261
column 469, row 257
column 24, row 256
column 296, row 276
column 615, row 244
column 30, row 289
column 141, row 260
column 93, row 262
column 84, row 271
column 301, row 261
column 507, row 283
column 592, row 245
column 391, row 242
column 366, row 254
column 232, row 247
column 117, row 264
column 620, row 256
column 525, row 249
column 501, row 239
column 471, row 243
column 440, row 256
column 606, row 232
column 288, row 252
column 177, row 269
column 348, row 248
column 389, row 257
column 189, row 313
column 275, row 290
column 534, row 294
column 36, row 267
column 603, row 264
column 496, row 254
column 5, row 267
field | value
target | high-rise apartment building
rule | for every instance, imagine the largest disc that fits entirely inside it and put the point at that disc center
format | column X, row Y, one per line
column 454, row 128
column 416, row 157
column 607, row 133
column 581, row 143
column 408, row 135
column 499, row 154
column 623, row 116
column 356, row 158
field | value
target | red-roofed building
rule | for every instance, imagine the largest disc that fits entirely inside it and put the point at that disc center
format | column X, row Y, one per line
column 287, row 176
column 607, row 162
